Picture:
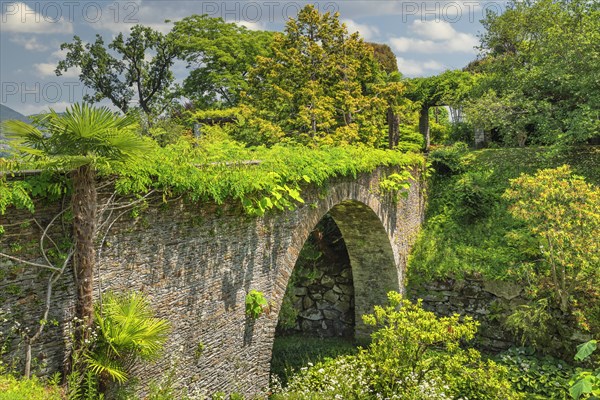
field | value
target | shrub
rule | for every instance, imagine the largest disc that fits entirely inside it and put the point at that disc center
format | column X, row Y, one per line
column 475, row 199
column 413, row 355
column 448, row 160
column 586, row 382
column 126, row 332
column 256, row 304
column 563, row 212
column 530, row 322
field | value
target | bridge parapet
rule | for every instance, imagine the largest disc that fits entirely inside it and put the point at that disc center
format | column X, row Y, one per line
column 196, row 263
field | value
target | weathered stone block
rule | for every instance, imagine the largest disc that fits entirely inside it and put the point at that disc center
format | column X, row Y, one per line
column 331, row 297
column 331, row 314
column 311, row 315
column 328, row 281
column 505, row 290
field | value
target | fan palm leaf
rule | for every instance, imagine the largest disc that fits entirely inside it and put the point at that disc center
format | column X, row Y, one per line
column 82, row 134
column 129, row 331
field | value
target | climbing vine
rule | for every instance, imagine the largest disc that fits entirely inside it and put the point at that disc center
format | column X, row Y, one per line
column 216, row 168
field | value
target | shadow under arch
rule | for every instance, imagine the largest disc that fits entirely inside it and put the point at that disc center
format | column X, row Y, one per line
column 371, row 256
column 374, row 268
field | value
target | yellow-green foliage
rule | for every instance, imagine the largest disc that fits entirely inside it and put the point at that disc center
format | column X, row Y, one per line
column 12, row 388
column 216, row 168
column 471, row 184
column 413, row 355
column 562, row 212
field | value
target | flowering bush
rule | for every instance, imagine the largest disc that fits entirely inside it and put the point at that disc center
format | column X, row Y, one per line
column 413, row 355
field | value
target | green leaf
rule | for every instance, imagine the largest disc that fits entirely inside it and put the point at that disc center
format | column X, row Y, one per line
column 585, row 350
column 579, row 388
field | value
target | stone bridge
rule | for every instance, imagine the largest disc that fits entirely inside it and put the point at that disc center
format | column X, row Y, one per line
column 197, row 262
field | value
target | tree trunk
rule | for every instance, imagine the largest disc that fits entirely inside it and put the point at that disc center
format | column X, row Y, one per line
column 424, row 126
column 393, row 121
column 84, row 205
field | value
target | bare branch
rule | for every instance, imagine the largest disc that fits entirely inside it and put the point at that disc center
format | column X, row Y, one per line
column 50, row 267
column 127, row 205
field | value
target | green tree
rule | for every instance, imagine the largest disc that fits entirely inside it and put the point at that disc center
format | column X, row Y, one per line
column 563, row 212
column 220, row 56
column 316, row 84
column 550, row 51
column 77, row 141
column 390, row 94
column 385, row 57
column 125, row 75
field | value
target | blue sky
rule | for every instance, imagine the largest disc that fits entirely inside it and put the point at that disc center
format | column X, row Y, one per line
column 427, row 37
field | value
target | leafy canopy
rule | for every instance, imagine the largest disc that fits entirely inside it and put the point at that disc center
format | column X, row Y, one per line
column 126, row 73
column 550, row 50
column 563, row 212
column 219, row 55
column 315, row 85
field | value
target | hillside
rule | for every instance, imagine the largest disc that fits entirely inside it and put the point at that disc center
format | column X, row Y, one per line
column 8, row 113
column 468, row 228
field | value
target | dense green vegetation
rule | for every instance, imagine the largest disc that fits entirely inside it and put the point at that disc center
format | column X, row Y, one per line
column 213, row 169
column 482, row 220
column 468, row 227
column 13, row 388
column 549, row 49
column 413, row 355
column 268, row 114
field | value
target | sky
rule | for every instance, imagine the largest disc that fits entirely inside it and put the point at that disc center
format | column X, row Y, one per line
column 427, row 37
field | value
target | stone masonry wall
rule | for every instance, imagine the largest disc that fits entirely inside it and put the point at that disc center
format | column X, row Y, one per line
column 326, row 306
column 486, row 301
column 490, row 303
column 196, row 263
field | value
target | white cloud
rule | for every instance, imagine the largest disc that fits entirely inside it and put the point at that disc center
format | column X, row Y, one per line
column 368, row 32
column 406, row 44
column 253, row 26
column 410, row 67
column 434, row 30
column 404, row 11
column 30, row 44
column 37, row 108
column 433, row 65
column 435, row 37
column 21, row 18
column 45, row 70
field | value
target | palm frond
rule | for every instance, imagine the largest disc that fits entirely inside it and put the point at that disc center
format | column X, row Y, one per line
column 100, row 364
column 129, row 329
column 82, row 135
column 24, row 137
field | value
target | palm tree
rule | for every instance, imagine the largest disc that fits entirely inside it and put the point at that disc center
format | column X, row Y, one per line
column 77, row 141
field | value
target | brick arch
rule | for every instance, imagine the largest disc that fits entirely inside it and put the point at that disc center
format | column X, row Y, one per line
column 374, row 267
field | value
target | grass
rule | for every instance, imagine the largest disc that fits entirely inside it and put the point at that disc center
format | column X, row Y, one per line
column 290, row 353
column 12, row 388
